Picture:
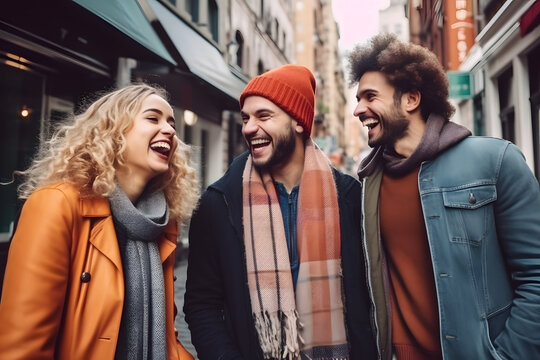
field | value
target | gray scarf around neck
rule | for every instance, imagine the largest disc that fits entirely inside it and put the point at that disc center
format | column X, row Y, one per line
column 138, row 227
column 439, row 135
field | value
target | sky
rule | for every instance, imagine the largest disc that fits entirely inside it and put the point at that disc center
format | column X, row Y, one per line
column 358, row 20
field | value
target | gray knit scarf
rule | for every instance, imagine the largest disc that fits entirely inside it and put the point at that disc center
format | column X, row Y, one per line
column 138, row 227
column 439, row 135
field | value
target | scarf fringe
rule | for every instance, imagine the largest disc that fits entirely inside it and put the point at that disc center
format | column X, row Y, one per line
column 271, row 326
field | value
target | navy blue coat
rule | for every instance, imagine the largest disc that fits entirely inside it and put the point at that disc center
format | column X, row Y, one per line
column 217, row 304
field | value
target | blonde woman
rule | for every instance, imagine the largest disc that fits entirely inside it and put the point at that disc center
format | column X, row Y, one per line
column 90, row 267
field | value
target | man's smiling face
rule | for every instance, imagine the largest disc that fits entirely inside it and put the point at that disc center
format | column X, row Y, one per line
column 379, row 111
column 268, row 131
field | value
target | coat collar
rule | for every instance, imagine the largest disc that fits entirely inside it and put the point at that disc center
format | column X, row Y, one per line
column 230, row 187
column 98, row 207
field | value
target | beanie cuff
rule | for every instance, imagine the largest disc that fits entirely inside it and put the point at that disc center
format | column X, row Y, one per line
column 287, row 98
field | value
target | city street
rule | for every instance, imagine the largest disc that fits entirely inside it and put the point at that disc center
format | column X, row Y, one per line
column 116, row 115
column 180, row 323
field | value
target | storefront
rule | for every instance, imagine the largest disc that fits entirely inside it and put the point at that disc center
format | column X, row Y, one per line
column 55, row 55
column 505, row 82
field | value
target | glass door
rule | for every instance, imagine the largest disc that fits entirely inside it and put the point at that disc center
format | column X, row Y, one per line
column 21, row 102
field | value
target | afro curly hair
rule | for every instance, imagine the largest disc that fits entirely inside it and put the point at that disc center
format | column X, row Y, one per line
column 407, row 67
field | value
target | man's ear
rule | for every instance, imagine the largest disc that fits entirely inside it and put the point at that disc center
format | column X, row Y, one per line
column 299, row 129
column 411, row 100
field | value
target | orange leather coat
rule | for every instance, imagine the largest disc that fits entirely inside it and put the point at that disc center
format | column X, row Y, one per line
column 48, row 311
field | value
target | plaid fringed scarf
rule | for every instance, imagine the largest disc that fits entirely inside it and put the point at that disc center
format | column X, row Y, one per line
column 312, row 325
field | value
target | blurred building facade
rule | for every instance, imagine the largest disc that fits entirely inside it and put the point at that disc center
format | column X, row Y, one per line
column 54, row 56
column 262, row 38
column 491, row 50
column 445, row 27
column 317, row 36
column 505, row 76
column 51, row 57
column 394, row 19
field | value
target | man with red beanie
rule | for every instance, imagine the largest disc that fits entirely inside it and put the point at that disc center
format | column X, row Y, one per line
column 276, row 267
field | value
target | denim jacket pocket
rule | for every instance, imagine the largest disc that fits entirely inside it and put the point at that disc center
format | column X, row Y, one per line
column 469, row 211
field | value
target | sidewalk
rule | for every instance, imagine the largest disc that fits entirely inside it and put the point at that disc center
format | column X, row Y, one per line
column 179, row 289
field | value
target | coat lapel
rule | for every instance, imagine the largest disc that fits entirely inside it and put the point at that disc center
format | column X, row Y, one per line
column 375, row 257
column 102, row 233
column 167, row 244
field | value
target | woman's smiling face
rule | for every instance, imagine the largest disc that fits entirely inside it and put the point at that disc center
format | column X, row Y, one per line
column 151, row 140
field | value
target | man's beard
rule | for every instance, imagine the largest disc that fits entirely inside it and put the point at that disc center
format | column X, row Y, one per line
column 393, row 126
column 283, row 150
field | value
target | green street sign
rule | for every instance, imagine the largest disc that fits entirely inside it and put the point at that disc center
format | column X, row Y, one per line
column 460, row 84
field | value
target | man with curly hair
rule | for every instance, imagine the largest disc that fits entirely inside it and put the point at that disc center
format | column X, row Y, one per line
column 451, row 221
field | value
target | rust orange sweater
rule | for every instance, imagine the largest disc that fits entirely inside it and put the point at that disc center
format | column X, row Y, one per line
column 415, row 318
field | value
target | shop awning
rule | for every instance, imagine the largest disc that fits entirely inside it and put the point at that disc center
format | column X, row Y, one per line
column 200, row 56
column 128, row 17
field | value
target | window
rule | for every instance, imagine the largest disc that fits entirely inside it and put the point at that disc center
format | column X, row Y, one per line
column 188, row 134
column 490, row 7
column 534, row 84
column 21, row 102
column 213, row 19
column 268, row 25
column 478, row 113
column 506, row 103
column 240, row 52
column 192, row 7
column 237, row 143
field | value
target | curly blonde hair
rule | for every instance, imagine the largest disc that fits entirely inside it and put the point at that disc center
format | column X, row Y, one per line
column 87, row 152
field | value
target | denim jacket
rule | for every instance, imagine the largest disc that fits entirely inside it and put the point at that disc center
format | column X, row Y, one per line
column 481, row 207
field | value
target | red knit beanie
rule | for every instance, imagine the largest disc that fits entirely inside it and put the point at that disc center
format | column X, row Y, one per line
column 291, row 87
